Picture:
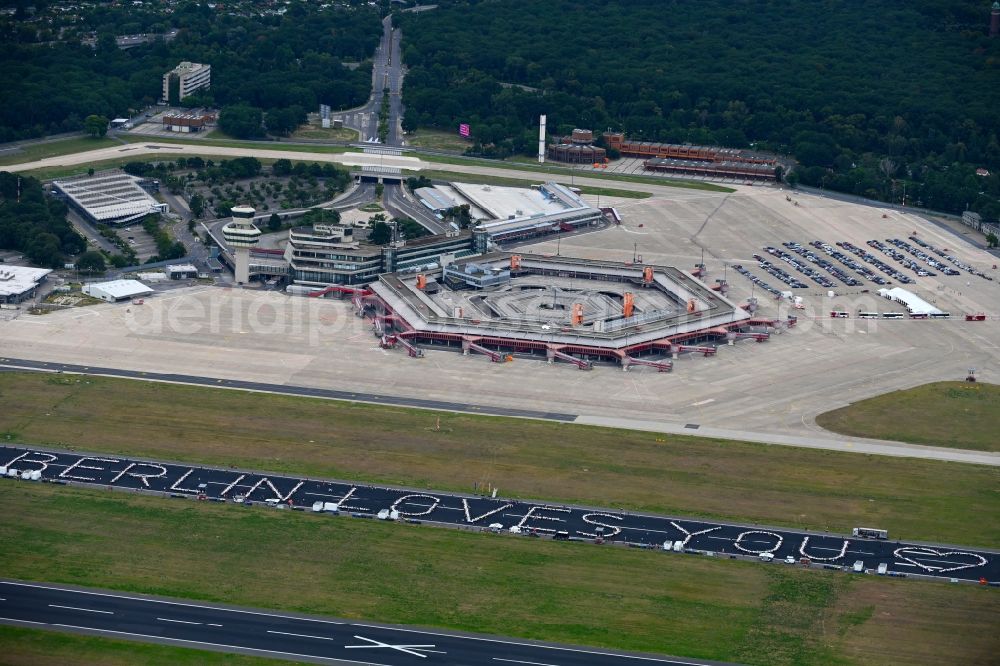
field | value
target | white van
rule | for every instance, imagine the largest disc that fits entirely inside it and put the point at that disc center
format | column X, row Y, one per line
column 766, row 557
column 859, row 566
column 317, row 506
column 668, row 545
column 331, row 507
column 678, row 546
column 883, row 568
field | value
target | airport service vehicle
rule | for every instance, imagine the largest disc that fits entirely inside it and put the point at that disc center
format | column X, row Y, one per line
column 870, row 533
column 859, row 566
column 883, row 568
column 766, row 557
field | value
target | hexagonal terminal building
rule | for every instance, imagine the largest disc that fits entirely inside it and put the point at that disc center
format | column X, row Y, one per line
column 567, row 309
column 241, row 234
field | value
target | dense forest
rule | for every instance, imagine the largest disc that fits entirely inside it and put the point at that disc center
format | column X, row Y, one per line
column 867, row 95
column 278, row 64
column 34, row 223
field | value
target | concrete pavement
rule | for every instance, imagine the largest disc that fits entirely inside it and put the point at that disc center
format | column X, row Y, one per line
column 833, row 443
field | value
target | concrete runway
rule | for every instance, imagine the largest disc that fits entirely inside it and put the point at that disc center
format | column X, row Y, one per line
column 286, row 636
column 501, row 515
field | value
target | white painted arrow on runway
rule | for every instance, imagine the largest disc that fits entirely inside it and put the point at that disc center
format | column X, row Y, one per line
column 415, row 650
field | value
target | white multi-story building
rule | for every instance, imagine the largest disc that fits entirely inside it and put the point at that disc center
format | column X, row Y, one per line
column 191, row 76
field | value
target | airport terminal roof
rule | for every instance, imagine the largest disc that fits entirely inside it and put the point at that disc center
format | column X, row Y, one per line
column 15, row 280
column 434, row 198
column 110, row 196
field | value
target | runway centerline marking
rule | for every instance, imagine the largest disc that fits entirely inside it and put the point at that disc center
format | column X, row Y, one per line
column 169, row 603
column 167, row 619
column 287, row 633
column 85, row 610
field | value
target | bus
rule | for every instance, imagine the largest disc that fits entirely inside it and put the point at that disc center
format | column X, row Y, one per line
column 892, row 315
column 940, row 315
column 867, row 315
column 870, row 533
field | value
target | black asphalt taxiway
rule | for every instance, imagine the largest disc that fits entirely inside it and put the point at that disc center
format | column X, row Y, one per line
column 528, row 518
column 287, row 636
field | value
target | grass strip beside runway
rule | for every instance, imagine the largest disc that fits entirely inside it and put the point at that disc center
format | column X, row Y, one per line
column 604, row 467
column 565, row 592
column 41, row 647
column 960, row 415
column 30, row 151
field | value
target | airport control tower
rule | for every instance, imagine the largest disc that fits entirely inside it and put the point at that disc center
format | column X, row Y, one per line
column 241, row 235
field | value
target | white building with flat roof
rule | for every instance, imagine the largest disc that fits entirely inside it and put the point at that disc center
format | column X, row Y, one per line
column 18, row 283
column 190, row 77
column 181, row 271
column 117, row 290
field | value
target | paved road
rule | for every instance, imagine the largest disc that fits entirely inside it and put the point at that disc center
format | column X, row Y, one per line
column 528, row 518
column 387, row 74
column 287, row 636
column 402, row 205
column 87, row 230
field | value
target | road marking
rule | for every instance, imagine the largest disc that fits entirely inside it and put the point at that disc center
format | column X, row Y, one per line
column 214, row 625
column 222, row 645
column 286, row 633
column 12, row 619
column 85, row 610
column 167, row 619
column 702, row 402
column 516, row 661
column 533, row 645
column 415, row 650
column 169, row 603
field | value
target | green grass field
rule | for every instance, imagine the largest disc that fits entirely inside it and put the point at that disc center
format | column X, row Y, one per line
column 567, row 592
column 437, row 140
column 40, row 647
column 327, row 134
column 215, row 140
column 565, row 171
column 955, row 414
column 675, row 475
column 39, row 151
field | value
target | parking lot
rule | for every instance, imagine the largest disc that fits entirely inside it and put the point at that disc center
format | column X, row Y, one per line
column 138, row 240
